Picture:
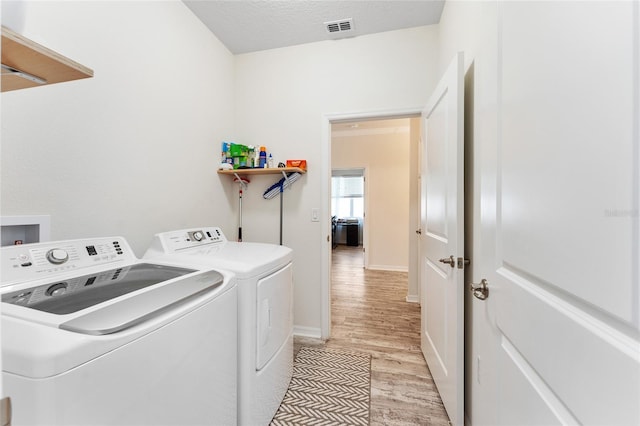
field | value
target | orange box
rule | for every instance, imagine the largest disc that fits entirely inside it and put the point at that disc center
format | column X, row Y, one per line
column 297, row 163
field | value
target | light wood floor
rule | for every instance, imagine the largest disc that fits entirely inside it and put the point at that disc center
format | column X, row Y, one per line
column 369, row 314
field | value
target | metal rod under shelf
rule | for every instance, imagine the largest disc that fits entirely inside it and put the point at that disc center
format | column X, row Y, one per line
column 22, row 74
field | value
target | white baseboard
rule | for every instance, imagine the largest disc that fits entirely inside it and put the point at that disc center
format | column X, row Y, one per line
column 392, row 268
column 307, row 332
column 412, row 298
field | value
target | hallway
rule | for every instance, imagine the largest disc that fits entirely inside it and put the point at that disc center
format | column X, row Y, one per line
column 370, row 314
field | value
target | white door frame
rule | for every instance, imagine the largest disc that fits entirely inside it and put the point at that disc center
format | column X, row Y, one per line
column 325, row 209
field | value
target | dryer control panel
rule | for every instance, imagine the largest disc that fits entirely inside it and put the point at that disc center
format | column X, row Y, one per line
column 30, row 262
column 175, row 241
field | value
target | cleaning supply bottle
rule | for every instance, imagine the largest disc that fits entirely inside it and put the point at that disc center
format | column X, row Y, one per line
column 270, row 162
column 251, row 160
column 263, row 157
column 224, row 153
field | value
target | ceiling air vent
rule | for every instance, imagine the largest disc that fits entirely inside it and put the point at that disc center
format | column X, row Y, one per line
column 340, row 26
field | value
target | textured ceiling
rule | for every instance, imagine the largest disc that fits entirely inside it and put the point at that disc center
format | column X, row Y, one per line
column 252, row 25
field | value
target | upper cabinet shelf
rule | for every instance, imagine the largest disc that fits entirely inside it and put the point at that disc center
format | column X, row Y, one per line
column 27, row 64
column 271, row 171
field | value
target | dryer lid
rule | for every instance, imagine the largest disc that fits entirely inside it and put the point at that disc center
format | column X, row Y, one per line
column 245, row 259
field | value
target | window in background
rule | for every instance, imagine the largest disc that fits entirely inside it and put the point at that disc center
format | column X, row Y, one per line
column 347, row 196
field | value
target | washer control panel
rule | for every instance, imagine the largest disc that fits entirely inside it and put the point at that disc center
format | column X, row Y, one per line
column 175, row 241
column 39, row 260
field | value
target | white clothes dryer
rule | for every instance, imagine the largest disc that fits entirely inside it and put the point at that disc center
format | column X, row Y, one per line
column 265, row 311
column 91, row 335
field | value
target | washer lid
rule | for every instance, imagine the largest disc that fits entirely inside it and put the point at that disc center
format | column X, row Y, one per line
column 77, row 293
column 141, row 307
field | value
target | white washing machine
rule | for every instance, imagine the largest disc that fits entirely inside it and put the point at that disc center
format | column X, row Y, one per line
column 265, row 311
column 91, row 335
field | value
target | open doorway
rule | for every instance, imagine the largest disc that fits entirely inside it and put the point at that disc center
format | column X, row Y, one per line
column 377, row 158
column 362, row 141
column 373, row 190
column 348, row 199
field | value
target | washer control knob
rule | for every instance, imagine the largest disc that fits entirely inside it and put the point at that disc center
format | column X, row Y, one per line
column 57, row 289
column 198, row 236
column 57, row 256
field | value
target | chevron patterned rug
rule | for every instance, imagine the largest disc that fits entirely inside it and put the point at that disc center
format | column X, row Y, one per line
column 328, row 387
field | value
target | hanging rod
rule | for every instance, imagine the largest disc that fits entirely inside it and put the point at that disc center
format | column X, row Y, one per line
column 25, row 75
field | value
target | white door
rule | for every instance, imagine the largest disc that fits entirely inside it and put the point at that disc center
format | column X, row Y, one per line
column 564, row 279
column 442, row 239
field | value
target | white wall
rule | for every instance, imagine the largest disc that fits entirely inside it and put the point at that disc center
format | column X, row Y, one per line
column 283, row 95
column 132, row 151
column 386, row 160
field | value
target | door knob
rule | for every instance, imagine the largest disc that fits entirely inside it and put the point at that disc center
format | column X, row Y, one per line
column 449, row 260
column 481, row 291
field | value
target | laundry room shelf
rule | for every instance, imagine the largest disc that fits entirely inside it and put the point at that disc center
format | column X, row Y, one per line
column 271, row 171
column 241, row 176
column 28, row 64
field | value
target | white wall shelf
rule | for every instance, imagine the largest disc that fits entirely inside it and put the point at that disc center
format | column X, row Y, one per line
column 28, row 64
column 271, row 171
